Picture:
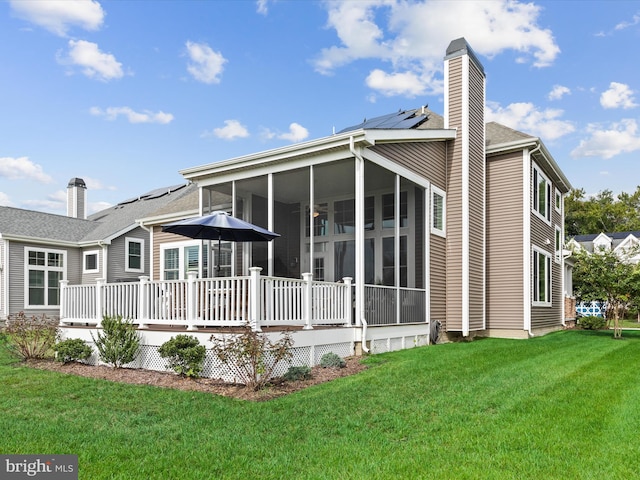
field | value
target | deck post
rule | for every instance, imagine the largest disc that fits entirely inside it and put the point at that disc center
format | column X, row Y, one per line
column 191, row 300
column 307, row 301
column 100, row 283
column 63, row 300
column 143, row 302
column 348, row 304
column 254, row 298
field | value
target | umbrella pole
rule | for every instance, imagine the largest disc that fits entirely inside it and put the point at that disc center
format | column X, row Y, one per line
column 219, row 252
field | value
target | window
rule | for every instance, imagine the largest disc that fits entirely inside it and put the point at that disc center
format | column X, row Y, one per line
column 320, row 220
column 559, row 244
column 135, row 255
column 389, row 212
column 171, row 264
column 344, row 216
column 541, row 195
column 437, row 211
column 44, row 271
column 177, row 260
column 388, row 261
column 541, row 278
column 558, row 201
column 90, row 261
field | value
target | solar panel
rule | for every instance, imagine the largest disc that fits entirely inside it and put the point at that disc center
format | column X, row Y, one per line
column 398, row 120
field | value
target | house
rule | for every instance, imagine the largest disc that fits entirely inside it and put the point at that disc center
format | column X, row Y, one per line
column 39, row 250
column 388, row 227
column 625, row 245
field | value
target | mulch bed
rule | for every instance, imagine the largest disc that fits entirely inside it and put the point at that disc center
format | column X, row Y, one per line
column 276, row 389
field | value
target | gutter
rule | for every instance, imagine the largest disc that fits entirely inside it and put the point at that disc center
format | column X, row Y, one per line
column 359, row 233
column 528, row 254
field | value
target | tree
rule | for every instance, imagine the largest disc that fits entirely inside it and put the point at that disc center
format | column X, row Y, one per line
column 602, row 212
column 603, row 276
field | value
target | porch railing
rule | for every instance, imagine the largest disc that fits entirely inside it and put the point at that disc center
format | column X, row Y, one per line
column 394, row 305
column 233, row 301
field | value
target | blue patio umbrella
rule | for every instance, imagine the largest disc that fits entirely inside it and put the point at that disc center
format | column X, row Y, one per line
column 220, row 226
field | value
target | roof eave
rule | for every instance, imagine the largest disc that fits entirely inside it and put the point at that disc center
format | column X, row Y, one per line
column 340, row 140
column 528, row 143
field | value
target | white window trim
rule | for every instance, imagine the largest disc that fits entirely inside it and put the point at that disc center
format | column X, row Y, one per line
column 557, row 256
column 549, row 287
column 43, row 268
column 127, row 241
column 534, row 206
column 557, row 199
column 84, row 261
column 436, row 231
column 181, row 260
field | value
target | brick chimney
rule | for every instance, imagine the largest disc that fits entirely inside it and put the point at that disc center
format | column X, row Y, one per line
column 464, row 101
column 76, row 198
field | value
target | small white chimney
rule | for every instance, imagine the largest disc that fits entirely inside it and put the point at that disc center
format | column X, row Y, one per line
column 76, row 198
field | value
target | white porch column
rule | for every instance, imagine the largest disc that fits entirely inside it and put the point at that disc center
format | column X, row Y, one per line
column 359, row 240
column 143, row 302
column 99, row 307
column 191, row 300
column 307, row 301
column 254, row 298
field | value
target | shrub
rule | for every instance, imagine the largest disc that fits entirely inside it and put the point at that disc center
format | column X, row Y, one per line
column 332, row 360
column 33, row 337
column 297, row 373
column 119, row 341
column 592, row 323
column 251, row 356
column 72, row 350
column 185, row 355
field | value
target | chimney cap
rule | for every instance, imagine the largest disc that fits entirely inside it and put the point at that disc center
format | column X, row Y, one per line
column 459, row 47
column 76, row 182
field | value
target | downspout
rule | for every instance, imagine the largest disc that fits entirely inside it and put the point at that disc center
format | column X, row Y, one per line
column 528, row 255
column 359, row 250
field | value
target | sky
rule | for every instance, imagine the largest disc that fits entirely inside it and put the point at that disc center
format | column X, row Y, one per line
column 125, row 94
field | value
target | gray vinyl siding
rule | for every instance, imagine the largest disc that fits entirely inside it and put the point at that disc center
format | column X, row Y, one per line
column 17, row 276
column 117, row 257
column 504, row 242
column 546, row 316
column 476, row 199
column 160, row 238
column 425, row 159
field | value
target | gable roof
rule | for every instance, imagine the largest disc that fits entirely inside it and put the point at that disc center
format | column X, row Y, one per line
column 613, row 236
column 16, row 223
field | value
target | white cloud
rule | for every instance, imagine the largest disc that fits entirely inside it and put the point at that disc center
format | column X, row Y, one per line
column 146, row 116
column 635, row 20
column 416, row 35
column 206, row 65
column 95, row 184
column 93, row 62
column 261, row 7
column 528, row 119
column 55, row 201
column 296, row 133
column 619, row 95
column 22, row 168
column 407, row 83
column 97, row 206
column 58, row 16
column 232, row 129
column 607, row 142
column 5, row 201
column 558, row 92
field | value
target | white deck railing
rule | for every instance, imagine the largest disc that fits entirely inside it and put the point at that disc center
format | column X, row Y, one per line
column 192, row 303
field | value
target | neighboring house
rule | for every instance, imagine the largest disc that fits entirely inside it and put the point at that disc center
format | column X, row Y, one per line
column 434, row 218
column 39, row 250
column 624, row 244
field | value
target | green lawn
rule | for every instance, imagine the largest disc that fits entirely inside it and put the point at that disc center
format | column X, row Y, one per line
column 563, row 406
